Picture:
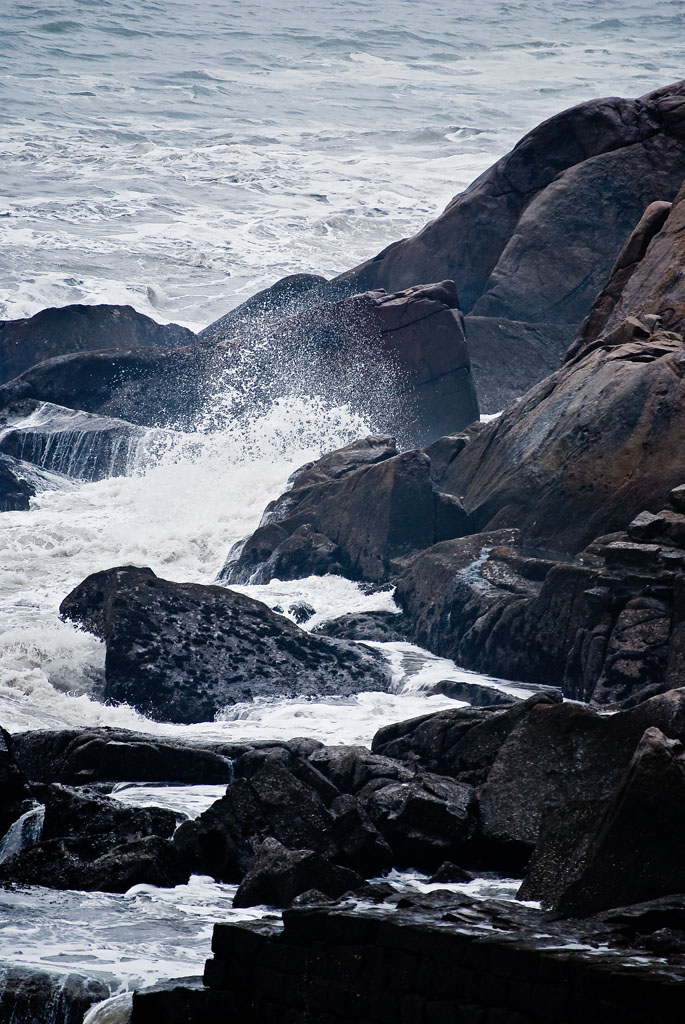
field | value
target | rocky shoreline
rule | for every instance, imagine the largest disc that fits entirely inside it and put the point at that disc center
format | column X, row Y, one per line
column 545, row 547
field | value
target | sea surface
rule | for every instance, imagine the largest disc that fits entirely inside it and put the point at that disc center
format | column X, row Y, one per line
column 179, row 156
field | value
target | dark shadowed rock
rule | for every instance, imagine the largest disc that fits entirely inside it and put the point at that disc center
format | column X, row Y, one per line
column 360, row 523
column 224, row 839
column 425, row 821
column 381, row 627
column 450, row 873
column 27, row 994
column 475, row 694
column 15, row 490
column 461, row 743
column 91, row 842
column 77, row 328
column 361, row 845
column 561, row 754
column 277, row 875
column 15, row 796
column 351, row 769
column 181, row 651
column 77, row 756
column 631, row 852
column 75, row 444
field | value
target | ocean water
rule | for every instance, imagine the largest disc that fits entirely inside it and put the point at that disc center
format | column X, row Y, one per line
column 179, row 156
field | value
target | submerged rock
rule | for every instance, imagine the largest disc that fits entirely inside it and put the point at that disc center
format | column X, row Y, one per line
column 182, row 652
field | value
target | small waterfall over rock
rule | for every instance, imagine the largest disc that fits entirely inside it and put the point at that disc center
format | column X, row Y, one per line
column 116, row 1010
column 23, row 833
column 28, row 996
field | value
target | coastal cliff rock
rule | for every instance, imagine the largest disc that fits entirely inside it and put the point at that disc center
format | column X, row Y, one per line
column 181, row 651
column 532, row 241
column 59, row 331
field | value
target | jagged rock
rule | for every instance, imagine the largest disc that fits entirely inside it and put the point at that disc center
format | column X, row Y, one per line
column 449, row 873
column 461, row 743
column 425, row 821
column 579, row 755
column 631, row 852
column 360, row 523
column 361, row 845
column 380, row 627
column 77, row 756
column 301, row 612
column 277, row 875
column 287, row 756
column 223, row 840
column 475, row 694
column 76, row 444
column 27, row 994
column 90, row 842
column 351, row 769
column 182, row 651
column 58, row 331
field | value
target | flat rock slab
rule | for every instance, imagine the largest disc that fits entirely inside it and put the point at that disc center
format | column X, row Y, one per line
column 181, row 652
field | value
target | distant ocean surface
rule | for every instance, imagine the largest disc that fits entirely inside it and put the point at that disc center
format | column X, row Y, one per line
column 180, row 155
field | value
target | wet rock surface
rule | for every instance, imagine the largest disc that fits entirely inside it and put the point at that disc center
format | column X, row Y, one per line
column 181, row 651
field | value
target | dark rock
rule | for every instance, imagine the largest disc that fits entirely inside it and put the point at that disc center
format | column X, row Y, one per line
column 579, row 755
column 252, row 761
column 450, row 873
column 361, row 523
column 301, row 611
column 223, row 840
column 475, row 694
column 533, row 239
column 277, row 875
column 462, row 743
column 351, row 769
column 34, row 996
column 75, row 444
column 15, row 795
column 402, row 357
column 90, row 842
column 425, row 821
column 77, row 328
column 508, row 357
column 631, row 852
column 181, row 651
column 380, row 627
column 633, row 252
column 360, row 843
column 656, row 288
column 15, row 491
column 78, row 756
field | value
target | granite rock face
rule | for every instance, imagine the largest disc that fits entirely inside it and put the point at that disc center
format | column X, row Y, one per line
column 532, row 241
column 181, row 651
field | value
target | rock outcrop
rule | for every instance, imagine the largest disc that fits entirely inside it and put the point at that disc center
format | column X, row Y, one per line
column 182, row 651
column 57, row 332
column 359, row 511
column 532, row 241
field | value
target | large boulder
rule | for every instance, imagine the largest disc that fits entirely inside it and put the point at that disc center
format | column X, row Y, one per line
column 561, row 754
column 278, row 874
column 182, row 651
column 628, row 849
column 533, row 239
column 77, row 328
column 78, row 756
column 359, row 511
column 92, row 842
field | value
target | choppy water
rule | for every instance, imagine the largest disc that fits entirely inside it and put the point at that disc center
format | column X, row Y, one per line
column 178, row 156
